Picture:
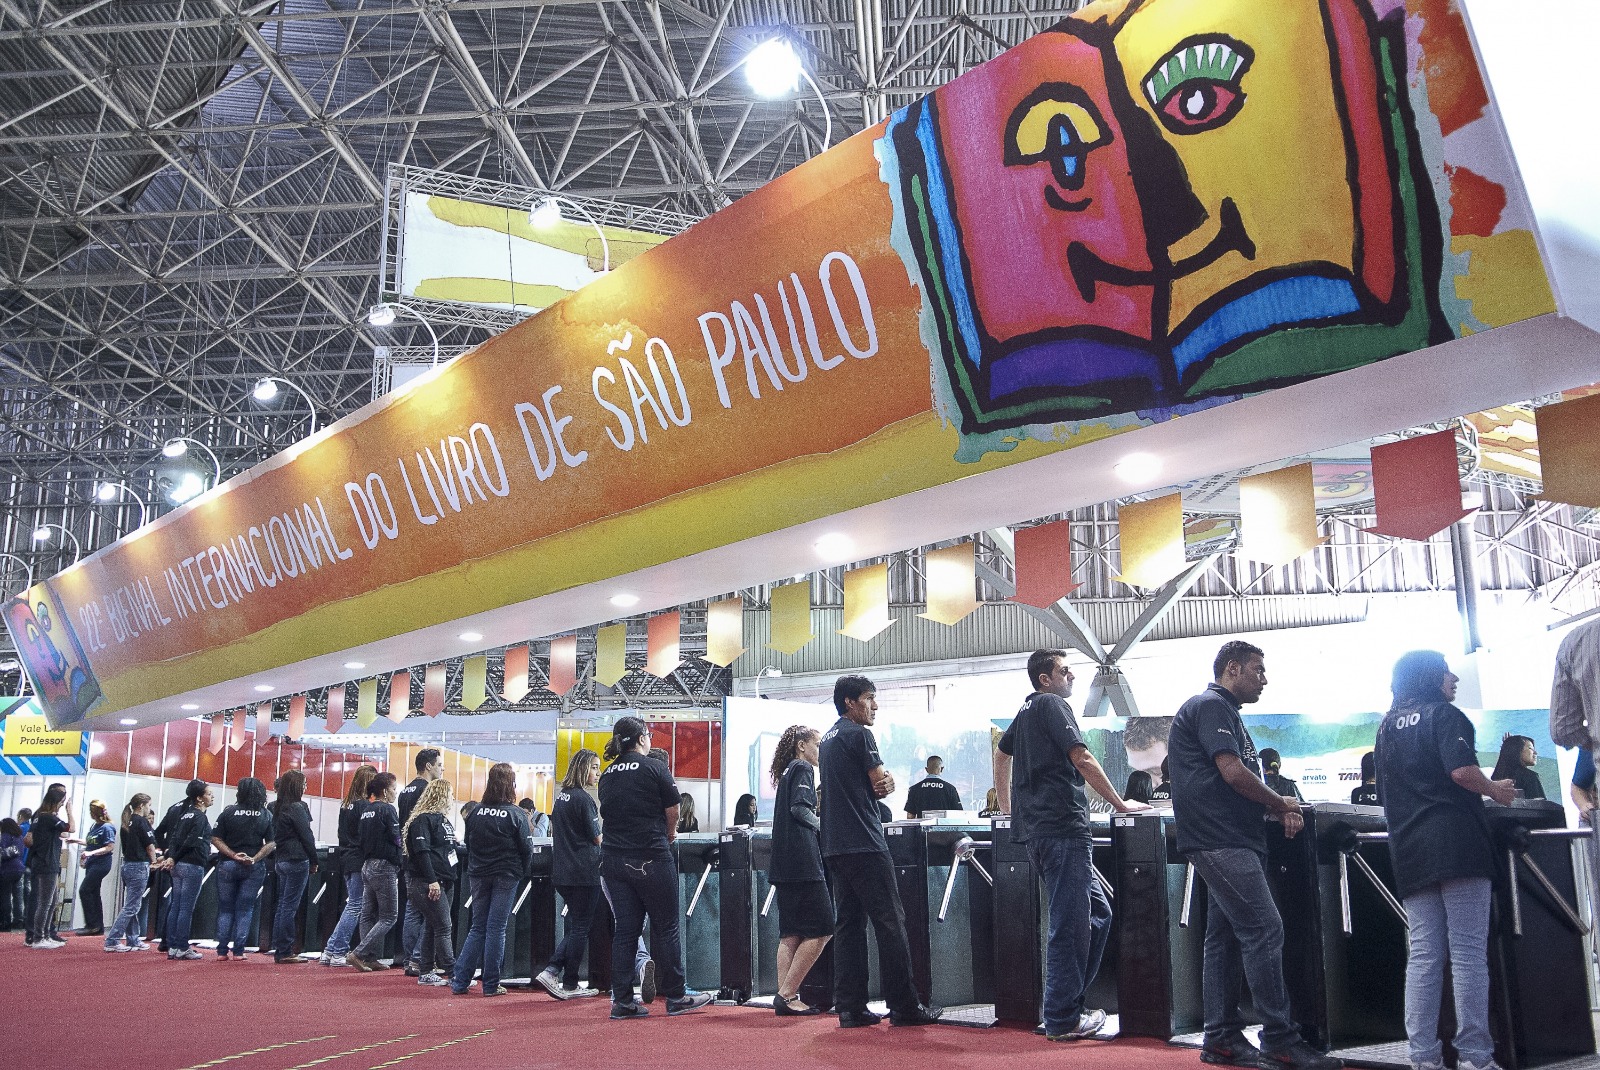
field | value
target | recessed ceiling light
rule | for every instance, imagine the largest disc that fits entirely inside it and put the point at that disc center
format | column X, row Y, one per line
column 835, row 546
column 624, row 601
column 263, row 687
column 1138, row 468
column 190, row 706
column 355, row 665
column 472, row 637
column 127, row 722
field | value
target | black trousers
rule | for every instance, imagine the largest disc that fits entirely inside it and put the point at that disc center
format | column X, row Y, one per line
column 863, row 888
column 582, row 901
column 89, row 892
column 643, row 885
column 436, row 945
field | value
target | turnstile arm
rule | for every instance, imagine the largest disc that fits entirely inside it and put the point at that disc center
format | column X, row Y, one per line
column 772, row 893
column 964, row 850
column 1556, row 897
column 705, row 876
column 1188, row 896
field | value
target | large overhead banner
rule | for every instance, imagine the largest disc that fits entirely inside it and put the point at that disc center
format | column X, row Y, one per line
column 1153, row 208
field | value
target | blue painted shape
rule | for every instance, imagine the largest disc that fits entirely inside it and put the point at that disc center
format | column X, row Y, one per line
column 1280, row 303
column 940, row 213
column 1072, row 363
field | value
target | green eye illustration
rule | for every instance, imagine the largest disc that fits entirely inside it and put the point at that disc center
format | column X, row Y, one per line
column 1196, row 87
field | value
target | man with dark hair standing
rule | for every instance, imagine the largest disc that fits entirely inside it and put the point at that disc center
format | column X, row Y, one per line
column 1044, row 753
column 1220, row 804
column 413, row 928
column 932, row 792
column 857, row 857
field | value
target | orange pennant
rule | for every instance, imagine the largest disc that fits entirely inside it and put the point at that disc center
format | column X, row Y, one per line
column 399, row 697
column 1278, row 515
column 1151, row 538
column 217, row 738
column 1569, row 451
column 563, row 664
column 611, row 654
column 1417, row 486
column 516, row 673
column 335, row 708
column 433, row 684
column 263, row 722
column 297, row 717
column 236, row 731
column 1044, row 564
column 664, row 644
column 951, row 581
column 725, row 631
column 866, row 602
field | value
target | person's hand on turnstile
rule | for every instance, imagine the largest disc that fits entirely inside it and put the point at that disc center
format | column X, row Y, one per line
column 883, row 785
column 1292, row 820
column 1503, row 792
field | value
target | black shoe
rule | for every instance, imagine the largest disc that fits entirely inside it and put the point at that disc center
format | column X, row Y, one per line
column 413, row 970
column 925, row 1014
column 1297, row 1056
column 857, row 1019
column 785, row 1009
column 287, row 960
column 647, row 982
column 689, row 1001
column 1231, row 1049
column 628, row 1010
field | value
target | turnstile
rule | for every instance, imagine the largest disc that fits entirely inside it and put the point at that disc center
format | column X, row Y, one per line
column 1018, row 950
column 1160, row 911
column 739, row 928
column 750, row 967
column 700, row 909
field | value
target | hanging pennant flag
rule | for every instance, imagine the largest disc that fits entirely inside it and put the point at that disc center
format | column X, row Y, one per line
column 1044, row 564
column 1151, row 537
column 1417, row 485
column 433, row 684
column 611, row 654
column 474, row 681
column 367, row 702
column 949, row 574
column 263, row 722
column 217, row 738
column 335, row 708
column 1278, row 515
column 663, row 644
column 236, row 730
column 399, row 697
column 297, row 717
column 790, row 615
column 866, row 602
column 516, row 673
column 563, row 664
column 1569, row 451
column 725, row 631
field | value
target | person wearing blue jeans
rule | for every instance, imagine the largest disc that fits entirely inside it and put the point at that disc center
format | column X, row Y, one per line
column 485, row 946
column 344, row 932
column 243, row 838
column 294, row 861
column 499, row 855
column 1431, row 787
column 238, row 886
column 292, row 876
column 350, row 858
column 186, row 878
column 1041, row 769
column 188, row 839
column 1221, row 806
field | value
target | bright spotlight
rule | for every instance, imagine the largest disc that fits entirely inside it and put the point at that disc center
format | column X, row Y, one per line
column 773, row 69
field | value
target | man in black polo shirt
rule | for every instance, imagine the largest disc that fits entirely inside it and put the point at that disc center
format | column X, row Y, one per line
column 1043, row 762
column 413, row 928
column 931, row 792
column 1221, row 806
column 857, row 856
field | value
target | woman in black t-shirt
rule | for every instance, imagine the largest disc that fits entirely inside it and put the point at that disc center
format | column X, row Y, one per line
column 44, row 840
column 687, row 822
column 186, row 831
column 294, row 860
column 744, row 811
column 243, row 837
column 1431, row 785
column 430, row 849
column 379, row 834
column 1517, row 755
column 805, row 910
column 138, row 847
column 575, row 835
column 349, row 857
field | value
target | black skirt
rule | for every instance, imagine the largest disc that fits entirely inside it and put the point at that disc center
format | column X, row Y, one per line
column 804, row 909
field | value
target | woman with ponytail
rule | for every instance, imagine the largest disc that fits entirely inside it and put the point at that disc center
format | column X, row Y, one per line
column 99, row 845
column 805, row 911
column 639, row 803
column 138, row 842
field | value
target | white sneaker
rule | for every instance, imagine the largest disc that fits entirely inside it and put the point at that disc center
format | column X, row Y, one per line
column 550, row 981
column 1462, row 1064
column 1089, row 1023
column 49, row 945
column 335, row 960
column 118, row 947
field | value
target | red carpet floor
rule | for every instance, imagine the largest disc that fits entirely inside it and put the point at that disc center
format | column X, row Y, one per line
column 80, row 1007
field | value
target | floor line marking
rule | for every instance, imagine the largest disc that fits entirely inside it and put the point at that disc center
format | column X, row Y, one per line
column 435, row 1047
column 259, row 1051
column 353, row 1051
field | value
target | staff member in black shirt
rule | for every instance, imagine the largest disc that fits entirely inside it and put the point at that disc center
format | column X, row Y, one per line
column 1043, row 761
column 499, row 855
column 1431, row 786
column 430, row 767
column 137, row 843
column 293, row 864
column 378, row 830
column 188, row 845
column 337, row 950
column 1367, row 793
column 932, row 792
column 44, row 840
column 857, row 856
column 575, row 834
column 1221, row 806
column 430, row 878
column 243, row 837
column 1516, row 761
column 639, row 803
column 805, row 910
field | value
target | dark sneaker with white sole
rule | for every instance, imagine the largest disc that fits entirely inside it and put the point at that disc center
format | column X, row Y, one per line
column 1089, row 1024
column 1297, row 1056
column 1231, row 1049
column 689, row 1001
column 629, row 1010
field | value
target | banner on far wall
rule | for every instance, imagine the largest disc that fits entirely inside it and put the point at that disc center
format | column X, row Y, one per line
column 1208, row 200
column 29, row 746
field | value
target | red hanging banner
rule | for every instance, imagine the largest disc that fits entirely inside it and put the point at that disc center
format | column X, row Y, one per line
column 399, row 697
column 663, row 644
column 263, row 722
column 297, row 717
column 433, row 684
column 563, row 664
column 1044, row 564
column 1417, row 485
column 516, row 677
column 218, row 736
column 335, row 708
